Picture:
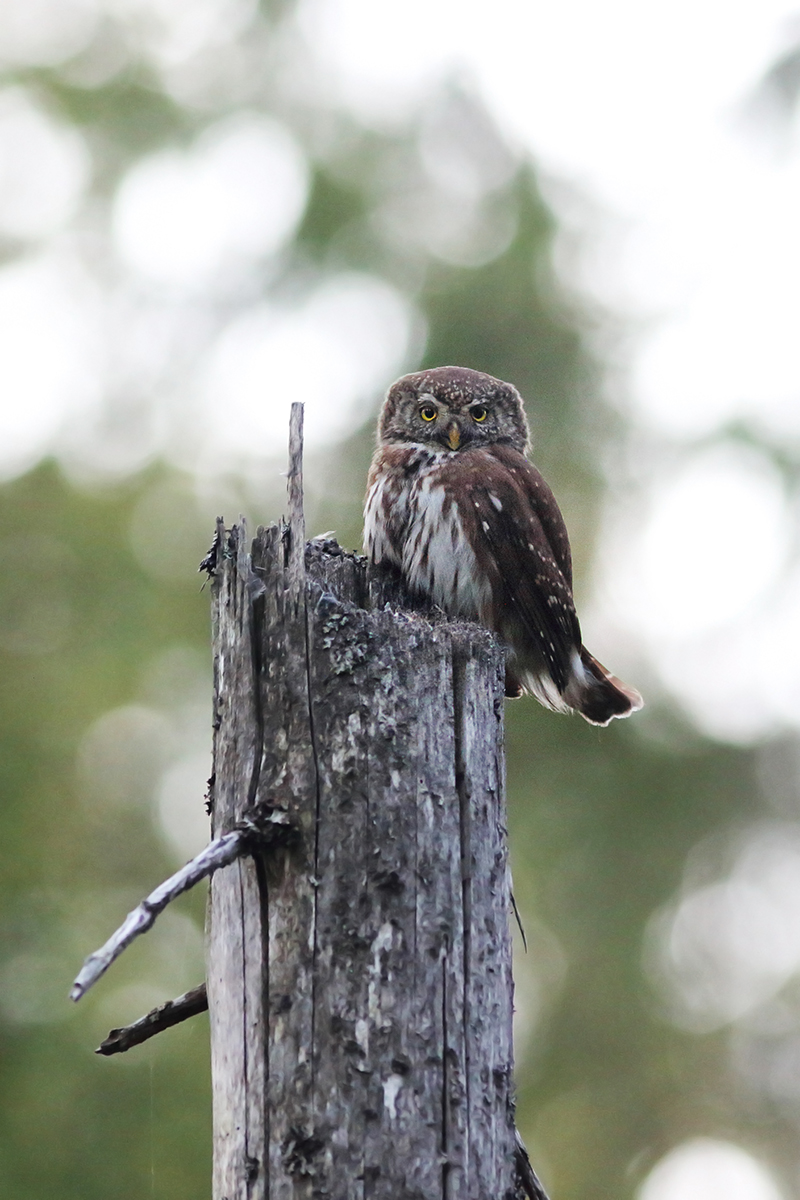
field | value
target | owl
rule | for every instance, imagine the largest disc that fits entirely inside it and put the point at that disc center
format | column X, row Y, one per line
column 455, row 505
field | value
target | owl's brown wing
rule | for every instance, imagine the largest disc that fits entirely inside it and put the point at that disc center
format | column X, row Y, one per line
column 542, row 501
column 518, row 536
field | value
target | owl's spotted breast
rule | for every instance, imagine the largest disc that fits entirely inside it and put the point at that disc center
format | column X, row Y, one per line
column 413, row 520
column 453, row 502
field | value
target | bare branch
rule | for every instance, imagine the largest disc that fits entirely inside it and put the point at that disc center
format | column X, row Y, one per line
column 160, row 1018
column 270, row 826
column 219, row 853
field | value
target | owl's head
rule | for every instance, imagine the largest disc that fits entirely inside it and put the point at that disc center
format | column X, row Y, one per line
column 453, row 408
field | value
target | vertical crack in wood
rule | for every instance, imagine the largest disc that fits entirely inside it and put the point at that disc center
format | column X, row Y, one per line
column 263, row 893
column 248, row 1149
column 465, row 831
column 254, row 1156
column 445, row 1085
column 317, row 798
column 256, row 607
column 299, row 600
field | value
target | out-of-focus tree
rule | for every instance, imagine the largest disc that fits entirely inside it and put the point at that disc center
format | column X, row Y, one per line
column 226, row 238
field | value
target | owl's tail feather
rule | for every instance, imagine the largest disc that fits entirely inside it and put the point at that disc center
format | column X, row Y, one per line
column 597, row 694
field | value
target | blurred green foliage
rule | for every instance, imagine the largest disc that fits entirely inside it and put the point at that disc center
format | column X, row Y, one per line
column 601, row 821
column 81, row 619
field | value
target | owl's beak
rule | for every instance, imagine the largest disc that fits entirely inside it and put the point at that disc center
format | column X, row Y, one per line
column 453, row 435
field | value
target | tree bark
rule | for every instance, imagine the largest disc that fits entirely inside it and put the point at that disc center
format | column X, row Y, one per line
column 359, row 982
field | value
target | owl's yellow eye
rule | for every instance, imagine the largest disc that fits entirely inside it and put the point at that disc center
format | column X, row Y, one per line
column 479, row 413
column 428, row 412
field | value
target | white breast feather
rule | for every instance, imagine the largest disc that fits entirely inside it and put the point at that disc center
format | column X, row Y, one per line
column 450, row 574
column 376, row 544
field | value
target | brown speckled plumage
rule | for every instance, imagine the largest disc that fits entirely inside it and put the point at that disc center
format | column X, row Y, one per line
column 453, row 502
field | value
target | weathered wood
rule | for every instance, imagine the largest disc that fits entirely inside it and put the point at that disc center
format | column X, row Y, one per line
column 360, row 983
column 236, row 970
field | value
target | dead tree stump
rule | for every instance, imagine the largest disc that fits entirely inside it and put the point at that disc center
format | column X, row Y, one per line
column 359, row 977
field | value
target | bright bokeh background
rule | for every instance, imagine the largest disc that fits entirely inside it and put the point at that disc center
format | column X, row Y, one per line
column 211, row 208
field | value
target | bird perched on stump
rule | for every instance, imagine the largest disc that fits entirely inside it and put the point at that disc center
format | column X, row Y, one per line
column 453, row 502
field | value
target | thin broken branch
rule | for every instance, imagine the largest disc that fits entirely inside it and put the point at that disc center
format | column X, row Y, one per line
column 173, row 1012
column 216, row 854
column 269, row 827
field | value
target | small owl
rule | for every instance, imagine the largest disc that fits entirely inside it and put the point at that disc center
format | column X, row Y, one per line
column 453, row 502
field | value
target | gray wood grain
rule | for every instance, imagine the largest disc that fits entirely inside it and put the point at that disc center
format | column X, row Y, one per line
column 236, row 971
column 360, row 985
